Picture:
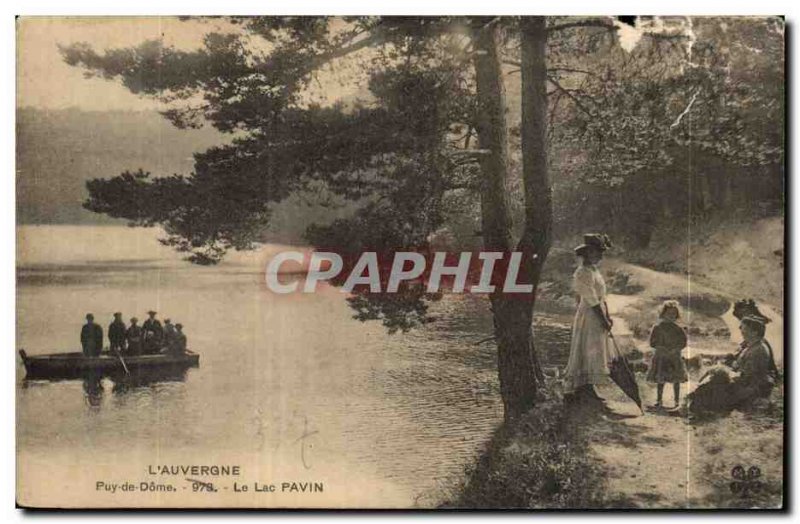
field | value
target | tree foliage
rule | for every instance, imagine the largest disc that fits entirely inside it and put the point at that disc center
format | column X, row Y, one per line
column 622, row 121
column 428, row 133
column 389, row 152
column 694, row 110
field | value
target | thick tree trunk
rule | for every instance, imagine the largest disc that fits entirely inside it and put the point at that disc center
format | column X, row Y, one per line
column 492, row 137
column 511, row 313
column 537, row 236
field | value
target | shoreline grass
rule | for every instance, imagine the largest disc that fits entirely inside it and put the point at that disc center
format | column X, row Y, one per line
column 539, row 461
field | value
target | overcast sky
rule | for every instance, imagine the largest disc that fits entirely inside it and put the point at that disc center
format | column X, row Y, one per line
column 45, row 81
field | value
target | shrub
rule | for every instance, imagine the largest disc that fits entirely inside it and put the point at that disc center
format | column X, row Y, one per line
column 538, row 461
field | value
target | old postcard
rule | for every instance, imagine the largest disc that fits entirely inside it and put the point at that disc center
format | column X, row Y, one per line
column 400, row 262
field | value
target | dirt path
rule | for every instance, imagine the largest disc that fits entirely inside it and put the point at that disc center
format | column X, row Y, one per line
column 658, row 459
column 646, row 457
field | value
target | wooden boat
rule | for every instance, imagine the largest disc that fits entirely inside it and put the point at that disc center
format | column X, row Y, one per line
column 76, row 365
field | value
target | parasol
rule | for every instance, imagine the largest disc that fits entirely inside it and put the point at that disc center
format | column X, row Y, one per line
column 622, row 374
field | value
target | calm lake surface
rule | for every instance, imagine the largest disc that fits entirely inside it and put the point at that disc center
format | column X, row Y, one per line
column 288, row 386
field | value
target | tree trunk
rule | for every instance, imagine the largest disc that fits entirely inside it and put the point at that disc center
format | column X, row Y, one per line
column 726, row 202
column 511, row 314
column 537, row 235
column 701, row 185
column 493, row 137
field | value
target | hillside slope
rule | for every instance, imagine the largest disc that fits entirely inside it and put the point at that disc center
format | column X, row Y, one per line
column 744, row 259
column 58, row 151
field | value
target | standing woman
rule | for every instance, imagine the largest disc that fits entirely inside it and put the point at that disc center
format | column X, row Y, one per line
column 588, row 356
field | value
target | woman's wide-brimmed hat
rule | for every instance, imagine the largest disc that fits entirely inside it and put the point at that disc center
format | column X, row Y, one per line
column 598, row 241
column 748, row 308
column 756, row 320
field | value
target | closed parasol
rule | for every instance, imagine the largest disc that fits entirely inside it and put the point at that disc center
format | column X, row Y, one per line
column 622, row 374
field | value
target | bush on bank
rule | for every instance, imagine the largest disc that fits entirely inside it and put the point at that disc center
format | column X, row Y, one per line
column 538, row 461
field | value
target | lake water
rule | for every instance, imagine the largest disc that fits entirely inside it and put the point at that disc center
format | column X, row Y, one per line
column 289, row 387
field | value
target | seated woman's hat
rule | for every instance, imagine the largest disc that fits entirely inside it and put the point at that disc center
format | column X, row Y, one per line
column 598, row 241
column 748, row 308
column 755, row 320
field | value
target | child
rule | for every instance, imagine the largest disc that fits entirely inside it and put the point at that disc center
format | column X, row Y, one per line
column 668, row 339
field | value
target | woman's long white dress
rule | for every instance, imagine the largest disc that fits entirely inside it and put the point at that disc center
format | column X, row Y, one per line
column 589, row 349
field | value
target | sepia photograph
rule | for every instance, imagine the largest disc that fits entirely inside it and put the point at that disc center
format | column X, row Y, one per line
column 401, row 262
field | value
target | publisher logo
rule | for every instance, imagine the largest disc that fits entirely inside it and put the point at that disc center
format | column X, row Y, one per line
column 746, row 482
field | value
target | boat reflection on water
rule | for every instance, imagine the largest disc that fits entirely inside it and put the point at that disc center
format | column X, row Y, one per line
column 126, row 383
column 93, row 391
column 94, row 388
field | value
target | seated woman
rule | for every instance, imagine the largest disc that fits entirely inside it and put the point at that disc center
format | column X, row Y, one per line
column 752, row 373
column 748, row 308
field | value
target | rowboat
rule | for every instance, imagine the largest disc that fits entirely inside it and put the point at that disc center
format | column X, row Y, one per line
column 77, row 365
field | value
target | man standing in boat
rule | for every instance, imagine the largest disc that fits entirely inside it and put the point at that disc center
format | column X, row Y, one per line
column 169, row 335
column 117, row 334
column 153, row 333
column 91, row 337
column 179, row 347
column 134, row 337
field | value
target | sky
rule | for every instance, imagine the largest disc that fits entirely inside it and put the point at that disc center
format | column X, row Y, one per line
column 44, row 80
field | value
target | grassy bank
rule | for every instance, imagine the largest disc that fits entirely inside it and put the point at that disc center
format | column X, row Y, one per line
column 741, row 258
column 540, row 461
column 749, row 438
column 582, row 457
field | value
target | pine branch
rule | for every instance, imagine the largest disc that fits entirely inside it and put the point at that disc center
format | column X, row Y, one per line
column 582, row 23
column 677, row 121
column 558, row 87
column 572, row 97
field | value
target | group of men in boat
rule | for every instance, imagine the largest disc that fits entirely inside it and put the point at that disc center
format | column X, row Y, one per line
column 148, row 339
